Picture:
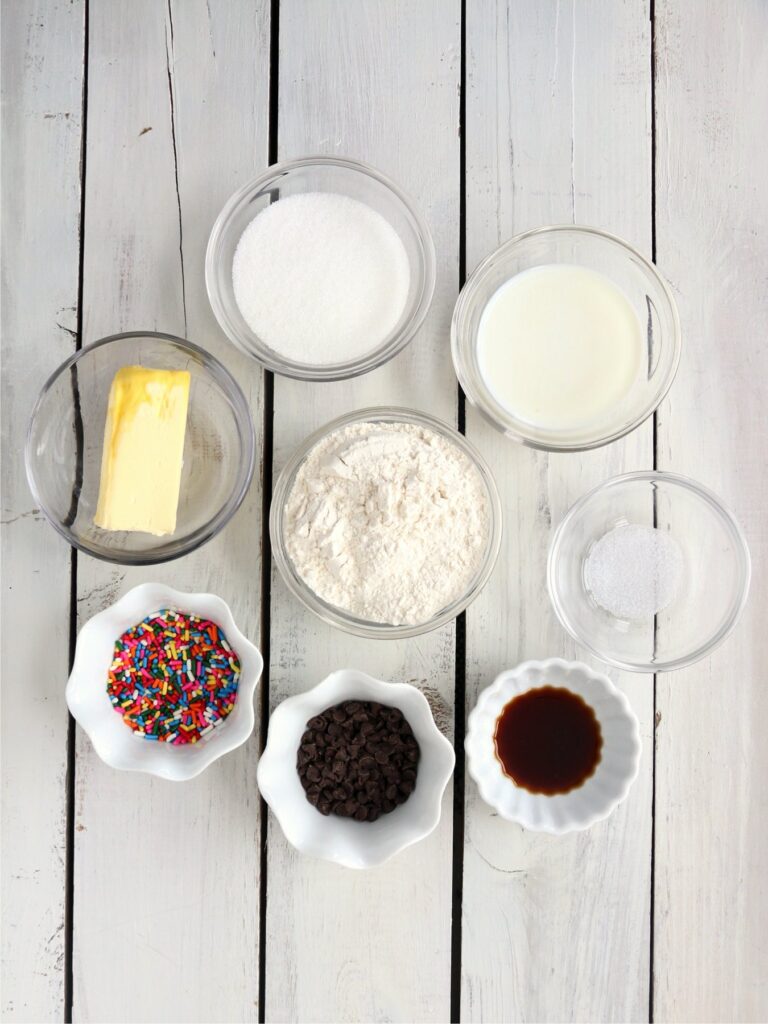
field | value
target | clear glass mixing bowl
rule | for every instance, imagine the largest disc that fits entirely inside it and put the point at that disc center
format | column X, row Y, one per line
column 336, row 616
column 320, row 174
column 647, row 293
column 66, row 436
column 712, row 589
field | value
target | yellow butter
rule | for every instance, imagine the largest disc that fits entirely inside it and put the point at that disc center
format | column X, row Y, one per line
column 143, row 450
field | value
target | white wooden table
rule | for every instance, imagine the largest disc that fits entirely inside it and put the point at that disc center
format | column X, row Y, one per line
column 127, row 123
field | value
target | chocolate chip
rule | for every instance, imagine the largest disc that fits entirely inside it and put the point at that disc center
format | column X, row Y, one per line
column 358, row 759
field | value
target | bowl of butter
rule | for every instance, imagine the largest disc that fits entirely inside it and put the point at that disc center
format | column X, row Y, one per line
column 140, row 448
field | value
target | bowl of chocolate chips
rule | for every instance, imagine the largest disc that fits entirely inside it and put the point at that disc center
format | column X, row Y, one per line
column 355, row 769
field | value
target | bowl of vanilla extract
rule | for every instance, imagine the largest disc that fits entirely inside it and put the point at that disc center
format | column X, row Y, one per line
column 553, row 746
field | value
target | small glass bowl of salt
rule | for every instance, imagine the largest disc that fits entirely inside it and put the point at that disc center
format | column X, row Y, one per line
column 321, row 269
column 649, row 571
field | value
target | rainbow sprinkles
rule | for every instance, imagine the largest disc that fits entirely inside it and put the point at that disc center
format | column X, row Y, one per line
column 173, row 678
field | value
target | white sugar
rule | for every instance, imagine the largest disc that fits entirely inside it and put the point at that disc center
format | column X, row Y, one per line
column 634, row 571
column 320, row 278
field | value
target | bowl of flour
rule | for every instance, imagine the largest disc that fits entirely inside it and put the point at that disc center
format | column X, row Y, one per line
column 320, row 268
column 386, row 523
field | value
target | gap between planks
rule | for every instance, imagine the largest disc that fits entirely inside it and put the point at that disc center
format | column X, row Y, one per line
column 69, row 844
column 460, row 651
column 652, row 905
column 266, row 545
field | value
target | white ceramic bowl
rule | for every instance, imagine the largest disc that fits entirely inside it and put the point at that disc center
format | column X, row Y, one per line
column 601, row 793
column 353, row 844
column 89, row 703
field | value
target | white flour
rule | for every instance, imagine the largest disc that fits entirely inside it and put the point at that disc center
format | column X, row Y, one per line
column 387, row 521
column 320, row 278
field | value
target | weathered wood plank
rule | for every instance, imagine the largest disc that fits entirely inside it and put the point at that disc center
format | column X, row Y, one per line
column 377, row 81
column 558, row 130
column 42, row 73
column 711, row 906
column 167, row 876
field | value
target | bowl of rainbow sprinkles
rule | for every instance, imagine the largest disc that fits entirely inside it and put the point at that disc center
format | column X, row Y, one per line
column 163, row 682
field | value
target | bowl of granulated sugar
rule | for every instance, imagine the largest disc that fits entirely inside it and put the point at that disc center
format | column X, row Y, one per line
column 649, row 571
column 321, row 269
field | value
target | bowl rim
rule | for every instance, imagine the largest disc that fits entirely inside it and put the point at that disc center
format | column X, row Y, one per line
column 150, row 596
column 335, row 616
column 245, row 472
column 725, row 515
column 458, row 344
column 327, row 371
column 332, row 688
column 563, row 666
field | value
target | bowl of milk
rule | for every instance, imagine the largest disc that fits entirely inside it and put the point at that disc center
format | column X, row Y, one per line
column 566, row 338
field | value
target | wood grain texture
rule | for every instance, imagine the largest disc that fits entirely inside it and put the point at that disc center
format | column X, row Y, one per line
column 711, row 907
column 42, row 75
column 376, row 81
column 558, row 130
column 167, row 876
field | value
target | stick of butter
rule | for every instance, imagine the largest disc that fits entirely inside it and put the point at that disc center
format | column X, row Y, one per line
column 143, row 450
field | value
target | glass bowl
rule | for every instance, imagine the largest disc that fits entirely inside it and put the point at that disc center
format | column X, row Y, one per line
column 320, row 174
column 336, row 616
column 640, row 282
column 66, row 436
column 713, row 584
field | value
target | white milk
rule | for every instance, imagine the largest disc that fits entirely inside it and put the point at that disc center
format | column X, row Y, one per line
column 559, row 346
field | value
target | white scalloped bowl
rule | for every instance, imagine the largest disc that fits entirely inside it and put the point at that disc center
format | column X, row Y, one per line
column 114, row 742
column 596, row 798
column 354, row 844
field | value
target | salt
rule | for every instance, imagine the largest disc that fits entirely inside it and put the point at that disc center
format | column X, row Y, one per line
column 634, row 571
column 321, row 278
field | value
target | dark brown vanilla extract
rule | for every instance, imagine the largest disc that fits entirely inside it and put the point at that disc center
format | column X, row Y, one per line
column 548, row 740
